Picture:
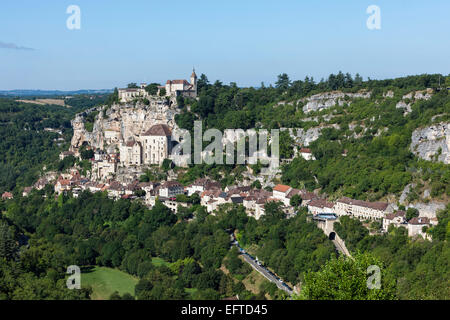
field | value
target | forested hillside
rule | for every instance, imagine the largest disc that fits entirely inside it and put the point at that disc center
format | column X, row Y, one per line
column 374, row 133
column 25, row 147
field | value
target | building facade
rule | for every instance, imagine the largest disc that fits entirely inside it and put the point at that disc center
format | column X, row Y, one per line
column 157, row 144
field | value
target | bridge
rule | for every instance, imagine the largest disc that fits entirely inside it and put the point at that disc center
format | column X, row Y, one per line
column 326, row 223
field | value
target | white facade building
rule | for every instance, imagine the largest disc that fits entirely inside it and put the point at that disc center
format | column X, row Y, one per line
column 361, row 209
column 157, row 144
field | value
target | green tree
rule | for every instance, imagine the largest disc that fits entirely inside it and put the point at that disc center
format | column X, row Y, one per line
column 347, row 279
column 283, row 83
column 411, row 213
column 296, row 201
column 8, row 245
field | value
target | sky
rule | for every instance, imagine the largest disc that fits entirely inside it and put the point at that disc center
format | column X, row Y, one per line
column 245, row 41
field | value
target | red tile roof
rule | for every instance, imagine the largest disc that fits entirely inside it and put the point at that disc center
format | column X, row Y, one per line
column 281, row 188
column 419, row 220
column 305, row 150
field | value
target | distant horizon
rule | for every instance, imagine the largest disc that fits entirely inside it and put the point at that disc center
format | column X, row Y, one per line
column 212, row 82
column 247, row 42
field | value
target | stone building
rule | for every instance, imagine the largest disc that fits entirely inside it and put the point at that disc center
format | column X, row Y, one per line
column 397, row 219
column 316, row 206
column 415, row 226
column 361, row 209
column 174, row 88
column 170, row 189
column 131, row 153
column 184, row 88
column 128, row 94
column 157, row 144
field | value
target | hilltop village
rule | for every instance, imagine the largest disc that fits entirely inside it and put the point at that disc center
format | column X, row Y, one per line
column 131, row 137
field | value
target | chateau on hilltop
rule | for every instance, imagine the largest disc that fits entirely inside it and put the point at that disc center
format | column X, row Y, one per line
column 173, row 88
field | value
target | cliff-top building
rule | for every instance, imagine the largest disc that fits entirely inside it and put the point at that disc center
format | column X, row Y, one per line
column 173, row 88
column 182, row 87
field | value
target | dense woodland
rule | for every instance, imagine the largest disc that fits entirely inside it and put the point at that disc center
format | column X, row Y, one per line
column 94, row 230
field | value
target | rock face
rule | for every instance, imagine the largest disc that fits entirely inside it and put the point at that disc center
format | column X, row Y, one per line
column 403, row 105
column 413, row 96
column 330, row 99
column 121, row 123
column 432, row 143
column 428, row 210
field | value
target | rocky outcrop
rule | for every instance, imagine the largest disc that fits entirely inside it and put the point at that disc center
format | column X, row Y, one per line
column 330, row 99
column 122, row 122
column 403, row 105
column 413, row 96
column 428, row 210
column 432, row 143
column 419, row 95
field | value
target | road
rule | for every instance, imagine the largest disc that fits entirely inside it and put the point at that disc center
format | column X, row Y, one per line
column 262, row 270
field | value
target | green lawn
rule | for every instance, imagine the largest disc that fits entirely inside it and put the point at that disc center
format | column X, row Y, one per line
column 104, row 281
column 159, row 262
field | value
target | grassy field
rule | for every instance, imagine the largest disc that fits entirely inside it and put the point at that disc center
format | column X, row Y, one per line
column 104, row 281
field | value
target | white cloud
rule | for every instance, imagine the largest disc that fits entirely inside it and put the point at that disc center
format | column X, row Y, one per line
column 4, row 45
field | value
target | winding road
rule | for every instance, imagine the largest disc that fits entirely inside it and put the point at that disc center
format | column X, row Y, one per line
column 255, row 264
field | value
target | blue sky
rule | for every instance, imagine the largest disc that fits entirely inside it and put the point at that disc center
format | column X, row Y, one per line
column 245, row 41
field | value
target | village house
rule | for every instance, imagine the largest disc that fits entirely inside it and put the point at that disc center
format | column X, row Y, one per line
column 103, row 169
column 397, row 219
column 281, row 192
column 62, row 185
column 201, row 185
column 170, row 189
column 416, row 225
column 131, row 153
column 306, row 154
column 7, row 196
column 115, row 190
column 211, row 199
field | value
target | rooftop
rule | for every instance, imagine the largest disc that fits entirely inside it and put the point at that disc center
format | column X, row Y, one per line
column 158, row 130
column 281, row 188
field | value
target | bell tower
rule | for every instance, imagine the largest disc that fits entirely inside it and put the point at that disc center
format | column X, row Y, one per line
column 194, row 81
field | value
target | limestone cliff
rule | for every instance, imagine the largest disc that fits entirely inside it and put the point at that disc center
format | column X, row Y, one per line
column 432, row 143
column 330, row 99
column 122, row 122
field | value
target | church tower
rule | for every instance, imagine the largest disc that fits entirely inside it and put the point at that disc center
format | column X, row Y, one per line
column 194, row 81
